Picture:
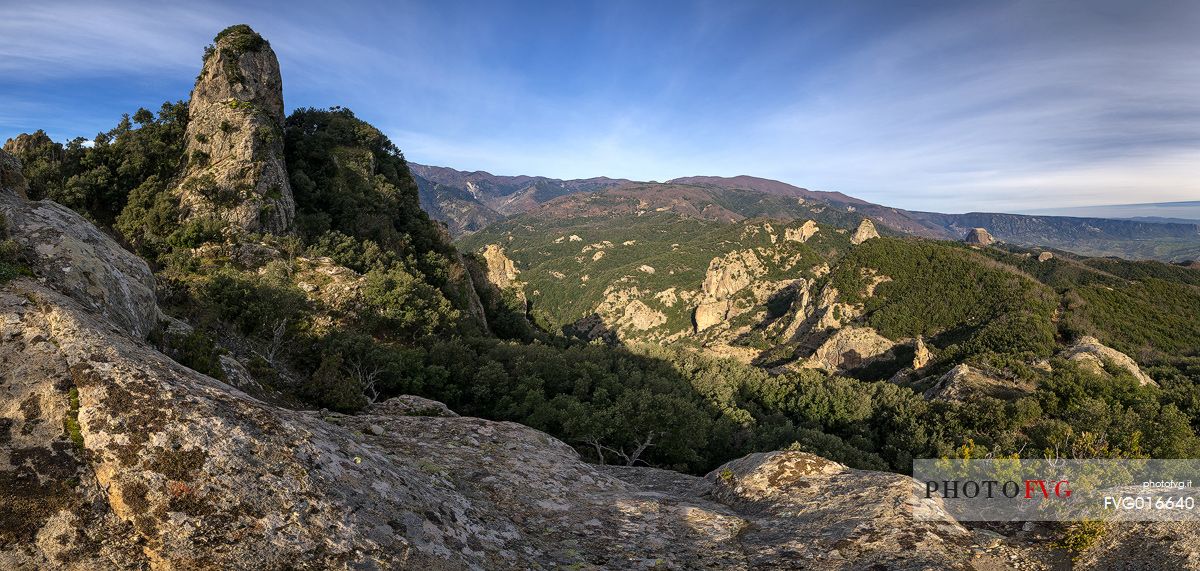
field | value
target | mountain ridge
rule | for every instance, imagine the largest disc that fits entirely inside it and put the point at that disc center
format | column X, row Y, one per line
column 456, row 198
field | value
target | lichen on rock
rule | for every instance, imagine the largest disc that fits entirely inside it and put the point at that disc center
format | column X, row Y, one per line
column 79, row 260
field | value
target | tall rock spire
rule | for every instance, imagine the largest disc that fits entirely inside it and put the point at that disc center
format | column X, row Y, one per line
column 235, row 165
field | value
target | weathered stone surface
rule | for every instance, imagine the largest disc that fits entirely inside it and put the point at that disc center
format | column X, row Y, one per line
column 831, row 313
column 410, row 405
column 1045, row 257
column 12, row 180
column 81, row 261
column 731, row 273
column 803, row 233
column 52, row 510
column 865, row 231
column 624, row 311
column 710, row 313
column 811, row 513
column 979, row 237
column 921, row 354
column 964, row 382
column 641, row 317
column 236, row 170
column 1091, row 354
column 726, row 276
column 1145, row 545
column 797, row 319
column 501, row 271
column 848, row 348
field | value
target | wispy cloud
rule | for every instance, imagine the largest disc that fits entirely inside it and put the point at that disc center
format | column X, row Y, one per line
column 43, row 40
column 936, row 106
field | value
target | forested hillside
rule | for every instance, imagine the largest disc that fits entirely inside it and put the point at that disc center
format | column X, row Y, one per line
column 983, row 347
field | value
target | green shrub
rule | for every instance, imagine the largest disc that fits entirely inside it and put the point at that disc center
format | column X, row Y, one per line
column 195, row 350
column 71, row 420
column 1078, row 537
column 9, row 253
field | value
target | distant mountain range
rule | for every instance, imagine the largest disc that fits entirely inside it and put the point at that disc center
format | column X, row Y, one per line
column 1184, row 212
column 470, row 201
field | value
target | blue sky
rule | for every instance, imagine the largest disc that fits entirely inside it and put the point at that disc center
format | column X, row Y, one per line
column 950, row 106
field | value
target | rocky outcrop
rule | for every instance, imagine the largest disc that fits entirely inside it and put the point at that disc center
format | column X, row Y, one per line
column 76, row 258
column 799, row 524
column 710, row 313
column 640, row 316
column 1045, row 257
column 235, row 164
column 32, row 142
column 12, row 180
column 731, row 273
column 979, row 237
column 865, row 231
column 803, row 233
column 850, row 348
column 963, row 382
column 624, row 311
column 410, row 405
column 1092, row 355
column 726, row 276
column 501, row 271
column 831, row 313
column 797, row 316
column 921, row 354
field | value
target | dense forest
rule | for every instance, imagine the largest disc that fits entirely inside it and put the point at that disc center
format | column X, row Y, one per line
column 409, row 326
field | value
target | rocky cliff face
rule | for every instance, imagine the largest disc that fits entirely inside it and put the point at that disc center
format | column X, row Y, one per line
column 235, row 163
column 726, row 276
column 850, row 347
column 501, row 271
column 803, row 233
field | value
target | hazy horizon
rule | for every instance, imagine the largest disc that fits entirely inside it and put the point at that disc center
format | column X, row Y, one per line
column 931, row 106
